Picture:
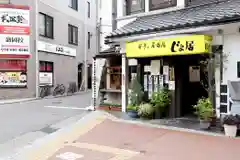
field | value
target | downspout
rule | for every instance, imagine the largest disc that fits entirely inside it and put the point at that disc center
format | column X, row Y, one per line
column 114, row 15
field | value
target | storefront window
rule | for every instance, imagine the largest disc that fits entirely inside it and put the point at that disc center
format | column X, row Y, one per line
column 135, row 6
column 46, row 73
column 13, row 73
column 161, row 4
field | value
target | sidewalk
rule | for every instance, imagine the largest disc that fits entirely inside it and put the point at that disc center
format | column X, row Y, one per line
column 10, row 101
column 99, row 136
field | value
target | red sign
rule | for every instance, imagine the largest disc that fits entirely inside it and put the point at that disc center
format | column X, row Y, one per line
column 16, row 65
column 14, row 23
column 14, row 30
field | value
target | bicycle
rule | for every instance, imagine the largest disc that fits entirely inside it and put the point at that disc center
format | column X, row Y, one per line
column 72, row 88
column 59, row 90
column 45, row 91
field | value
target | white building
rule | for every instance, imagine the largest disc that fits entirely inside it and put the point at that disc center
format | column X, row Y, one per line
column 66, row 43
column 142, row 23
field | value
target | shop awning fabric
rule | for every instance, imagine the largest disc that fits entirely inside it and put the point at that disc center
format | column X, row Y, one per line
column 220, row 12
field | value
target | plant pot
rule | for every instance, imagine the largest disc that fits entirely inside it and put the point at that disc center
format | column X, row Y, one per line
column 132, row 114
column 204, row 124
column 115, row 108
column 157, row 113
column 106, row 108
column 230, row 130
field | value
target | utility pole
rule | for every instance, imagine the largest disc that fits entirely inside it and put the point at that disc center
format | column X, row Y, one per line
column 36, row 48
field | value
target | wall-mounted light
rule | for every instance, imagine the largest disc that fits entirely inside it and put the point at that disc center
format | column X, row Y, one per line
column 220, row 31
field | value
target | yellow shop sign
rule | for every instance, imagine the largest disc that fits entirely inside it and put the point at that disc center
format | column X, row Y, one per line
column 183, row 45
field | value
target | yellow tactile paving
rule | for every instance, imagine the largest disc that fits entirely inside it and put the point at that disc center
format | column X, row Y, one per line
column 47, row 149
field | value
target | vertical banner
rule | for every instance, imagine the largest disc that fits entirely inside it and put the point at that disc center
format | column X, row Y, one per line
column 166, row 74
column 150, row 87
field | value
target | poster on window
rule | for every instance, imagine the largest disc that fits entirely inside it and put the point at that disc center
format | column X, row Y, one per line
column 45, row 78
column 13, row 79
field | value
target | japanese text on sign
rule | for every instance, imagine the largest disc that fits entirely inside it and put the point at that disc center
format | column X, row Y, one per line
column 191, row 44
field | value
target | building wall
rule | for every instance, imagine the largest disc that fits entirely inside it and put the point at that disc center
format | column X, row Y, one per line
column 104, row 13
column 31, row 63
column 124, row 19
column 65, row 67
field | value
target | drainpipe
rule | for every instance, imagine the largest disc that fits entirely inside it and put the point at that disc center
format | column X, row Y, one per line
column 114, row 15
column 36, row 48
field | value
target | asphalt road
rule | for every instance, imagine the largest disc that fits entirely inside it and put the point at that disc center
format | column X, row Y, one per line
column 24, row 122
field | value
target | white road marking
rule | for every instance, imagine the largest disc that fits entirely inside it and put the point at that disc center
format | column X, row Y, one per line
column 62, row 107
column 69, row 156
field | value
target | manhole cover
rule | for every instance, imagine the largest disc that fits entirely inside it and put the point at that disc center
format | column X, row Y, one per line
column 48, row 130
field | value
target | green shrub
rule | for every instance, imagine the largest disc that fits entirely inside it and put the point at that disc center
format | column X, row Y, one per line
column 132, row 108
column 146, row 110
column 161, row 98
column 204, row 109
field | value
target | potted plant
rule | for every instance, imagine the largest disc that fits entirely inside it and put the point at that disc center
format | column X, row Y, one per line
column 204, row 111
column 135, row 98
column 160, row 101
column 230, row 125
column 146, row 110
column 132, row 111
column 136, row 93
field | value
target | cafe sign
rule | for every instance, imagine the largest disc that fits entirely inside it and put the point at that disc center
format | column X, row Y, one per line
column 182, row 45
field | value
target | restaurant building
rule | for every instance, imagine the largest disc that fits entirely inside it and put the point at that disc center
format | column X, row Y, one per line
column 169, row 40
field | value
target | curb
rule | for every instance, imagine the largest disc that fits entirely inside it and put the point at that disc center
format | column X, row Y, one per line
column 34, row 99
column 65, row 95
column 145, row 124
column 18, row 101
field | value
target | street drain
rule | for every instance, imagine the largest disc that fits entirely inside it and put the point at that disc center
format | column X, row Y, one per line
column 57, row 102
column 48, row 130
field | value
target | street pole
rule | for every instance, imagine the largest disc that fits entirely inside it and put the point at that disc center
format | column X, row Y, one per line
column 85, row 49
column 36, row 48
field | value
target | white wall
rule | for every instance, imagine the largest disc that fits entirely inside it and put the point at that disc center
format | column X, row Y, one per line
column 232, row 49
column 89, row 24
column 105, row 13
column 123, row 19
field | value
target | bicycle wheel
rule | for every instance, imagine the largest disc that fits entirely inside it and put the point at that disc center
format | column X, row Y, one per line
column 62, row 89
column 48, row 91
column 55, row 91
column 42, row 93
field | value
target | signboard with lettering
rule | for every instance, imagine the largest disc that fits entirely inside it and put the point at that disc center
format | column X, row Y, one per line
column 14, row 44
column 57, row 49
column 182, row 45
column 14, row 31
column 13, row 79
column 45, row 78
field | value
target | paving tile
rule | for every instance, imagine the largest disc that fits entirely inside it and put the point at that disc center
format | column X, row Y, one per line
column 70, row 152
column 121, row 135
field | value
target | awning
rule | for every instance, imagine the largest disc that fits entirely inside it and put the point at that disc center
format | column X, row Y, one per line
column 111, row 52
column 215, row 13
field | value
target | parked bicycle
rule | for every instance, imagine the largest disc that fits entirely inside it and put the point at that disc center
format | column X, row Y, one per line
column 59, row 90
column 45, row 91
column 72, row 88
